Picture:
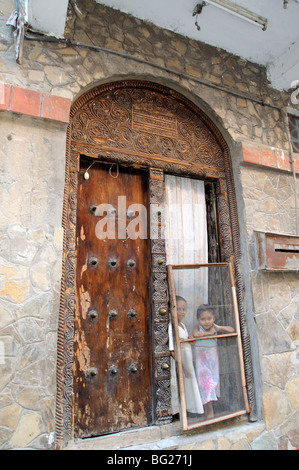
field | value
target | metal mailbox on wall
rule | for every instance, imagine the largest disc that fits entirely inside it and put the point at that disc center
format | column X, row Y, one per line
column 277, row 252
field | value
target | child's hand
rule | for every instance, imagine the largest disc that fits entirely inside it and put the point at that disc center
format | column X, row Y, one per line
column 198, row 334
column 213, row 330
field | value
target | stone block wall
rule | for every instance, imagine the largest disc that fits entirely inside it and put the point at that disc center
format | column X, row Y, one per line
column 32, row 182
column 270, row 207
column 33, row 117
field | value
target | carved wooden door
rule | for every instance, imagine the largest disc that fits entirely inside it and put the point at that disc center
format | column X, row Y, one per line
column 112, row 379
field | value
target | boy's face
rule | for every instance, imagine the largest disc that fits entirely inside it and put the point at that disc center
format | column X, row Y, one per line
column 206, row 319
column 181, row 309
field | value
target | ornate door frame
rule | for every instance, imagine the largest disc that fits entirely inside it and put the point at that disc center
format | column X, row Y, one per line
column 148, row 139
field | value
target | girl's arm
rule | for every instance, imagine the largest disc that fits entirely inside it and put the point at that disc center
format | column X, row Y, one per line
column 224, row 329
column 198, row 334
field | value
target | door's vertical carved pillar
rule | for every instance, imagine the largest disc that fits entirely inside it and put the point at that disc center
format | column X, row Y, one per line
column 159, row 290
column 64, row 404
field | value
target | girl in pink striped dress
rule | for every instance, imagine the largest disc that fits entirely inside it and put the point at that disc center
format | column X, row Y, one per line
column 206, row 357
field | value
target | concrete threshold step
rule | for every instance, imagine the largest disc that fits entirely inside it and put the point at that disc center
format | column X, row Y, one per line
column 145, row 438
column 172, row 437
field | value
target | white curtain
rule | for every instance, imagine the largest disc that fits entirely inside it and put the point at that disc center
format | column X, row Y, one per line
column 186, row 240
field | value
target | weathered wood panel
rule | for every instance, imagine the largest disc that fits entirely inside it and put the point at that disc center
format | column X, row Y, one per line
column 112, row 382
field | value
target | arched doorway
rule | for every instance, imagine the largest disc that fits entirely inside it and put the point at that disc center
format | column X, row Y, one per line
column 127, row 135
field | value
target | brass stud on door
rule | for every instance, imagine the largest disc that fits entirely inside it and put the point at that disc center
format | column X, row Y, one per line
column 113, row 370
column 113, row 314
column 112, row 263
column 133, row 368
column 164, row 366
column 132, row 314
column 92, row 209
column 131, row 263
column 112, row 212
column 131, row 214
column 93, row 261
column 92, row 315
column 92, row 372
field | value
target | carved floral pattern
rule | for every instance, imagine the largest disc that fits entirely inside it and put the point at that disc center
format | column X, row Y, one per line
column 106, row 121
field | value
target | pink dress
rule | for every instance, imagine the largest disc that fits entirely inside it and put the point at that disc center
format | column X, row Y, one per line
column 207, row 368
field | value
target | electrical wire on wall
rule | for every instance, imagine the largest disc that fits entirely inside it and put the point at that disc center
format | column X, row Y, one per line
column 67, row 42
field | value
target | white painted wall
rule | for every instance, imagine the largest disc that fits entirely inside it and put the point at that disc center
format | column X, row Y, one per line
column 48, row 16
column 285, row 69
